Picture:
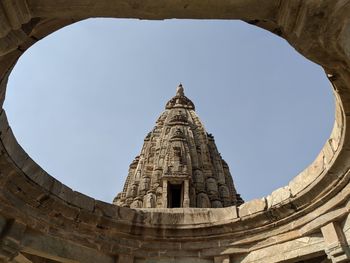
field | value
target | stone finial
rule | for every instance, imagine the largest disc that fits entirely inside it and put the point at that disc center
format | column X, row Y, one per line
column 180, row 100
column 180, row 90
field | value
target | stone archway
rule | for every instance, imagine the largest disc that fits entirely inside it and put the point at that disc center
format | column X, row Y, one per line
column 43, row 218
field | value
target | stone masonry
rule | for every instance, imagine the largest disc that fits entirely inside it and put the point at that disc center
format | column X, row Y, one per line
column 306, row 221
column 178, row 160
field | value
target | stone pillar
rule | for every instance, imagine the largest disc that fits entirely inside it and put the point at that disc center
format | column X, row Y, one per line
column 125, row 259
column 337, row 248
column 186, row 201
column 11, row 235
column 222, row 259
column 165, row 193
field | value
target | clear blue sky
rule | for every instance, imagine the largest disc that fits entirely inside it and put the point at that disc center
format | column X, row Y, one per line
column 81, row 101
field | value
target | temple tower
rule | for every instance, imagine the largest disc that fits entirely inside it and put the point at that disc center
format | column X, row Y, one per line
column 179, row 164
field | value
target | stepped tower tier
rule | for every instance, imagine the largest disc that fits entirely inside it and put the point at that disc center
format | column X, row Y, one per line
column 179, row 164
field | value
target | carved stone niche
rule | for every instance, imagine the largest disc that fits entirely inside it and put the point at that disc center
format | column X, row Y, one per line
column 221, row 178
column 150, row 200
column 224, row 194
column 193, row 196
column 203, row 200
column 119, row 199
column 198, row 181
column 212, row 188
column 132, row 191
column 216, row 204
column 156, row 175
column 144, row 185
column 179, row 119
column 137, row 203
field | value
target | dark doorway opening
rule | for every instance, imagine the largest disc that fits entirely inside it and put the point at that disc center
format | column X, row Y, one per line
column 174, row 195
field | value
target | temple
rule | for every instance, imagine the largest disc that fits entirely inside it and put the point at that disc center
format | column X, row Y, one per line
column 179, row 165
column 42, row 220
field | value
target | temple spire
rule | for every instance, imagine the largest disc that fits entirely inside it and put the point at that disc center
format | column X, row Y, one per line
column 179, row 164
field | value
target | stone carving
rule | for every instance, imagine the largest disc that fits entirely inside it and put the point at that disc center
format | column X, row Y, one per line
column 138, row 175
column 178, row 135
column 317, row 29
column 137, row 203
column 180, row 151
column 119, row 200
column 224, row 193
column 203, row 200
column 180, row 101
column 159, row 190
column 150, row 200
column 212, row 186
column 156, row 175
column 132, row 192
column 286, row 233
column 198, row 180
column 178, row 119
column 144, row 186
column 216, row 204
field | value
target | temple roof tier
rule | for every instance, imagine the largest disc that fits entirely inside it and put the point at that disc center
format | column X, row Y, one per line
column 179, row 164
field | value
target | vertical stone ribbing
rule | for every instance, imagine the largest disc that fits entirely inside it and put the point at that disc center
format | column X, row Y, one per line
column 178, row 160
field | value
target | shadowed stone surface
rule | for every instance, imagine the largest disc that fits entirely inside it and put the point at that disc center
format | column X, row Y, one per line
column 42, row 220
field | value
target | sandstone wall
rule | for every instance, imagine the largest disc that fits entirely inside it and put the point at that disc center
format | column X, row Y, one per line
column 41, row 219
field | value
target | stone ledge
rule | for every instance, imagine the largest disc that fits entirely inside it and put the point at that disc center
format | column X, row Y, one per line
column 303, row 29
column 281, row 195
column 252, row 207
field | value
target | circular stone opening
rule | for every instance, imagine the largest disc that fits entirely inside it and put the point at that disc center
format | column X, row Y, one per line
column 81, row 101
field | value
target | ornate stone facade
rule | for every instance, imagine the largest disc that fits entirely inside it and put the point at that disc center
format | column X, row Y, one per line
column 179, row 164
column 306, row 221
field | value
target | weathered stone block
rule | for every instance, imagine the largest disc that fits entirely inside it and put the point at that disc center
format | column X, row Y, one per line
column 31, row 168
column 56, row 186
column 18, row 155
column 11, row 41
column 88, row 218
column 83, row 201
column 278, row 196
column 105, row 209
column 328, row 153
column 335, row 137
column 306, row 177
column 252, row 207
column 66, row 193
column 44, row 180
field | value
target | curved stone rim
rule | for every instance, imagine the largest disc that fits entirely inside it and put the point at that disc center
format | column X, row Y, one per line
column 321, row 187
